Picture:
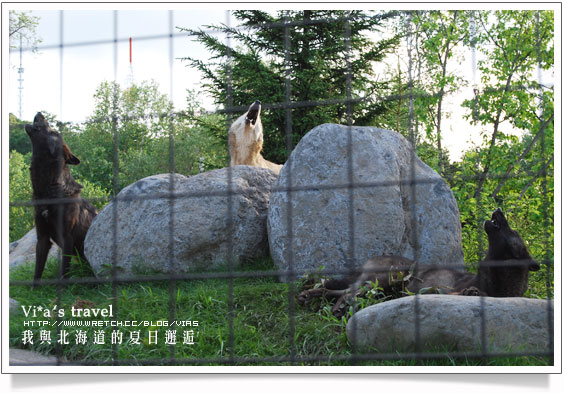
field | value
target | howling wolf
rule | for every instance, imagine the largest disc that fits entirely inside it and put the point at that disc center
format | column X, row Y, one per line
column 245, row 140
column 60, row 212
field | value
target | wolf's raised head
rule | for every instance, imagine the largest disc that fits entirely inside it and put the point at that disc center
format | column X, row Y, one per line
column 505, row 243
column 245, row 139
column 248, row 126
column 48, row 144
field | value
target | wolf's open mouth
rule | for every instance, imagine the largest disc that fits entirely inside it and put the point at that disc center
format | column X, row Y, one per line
column 253, row 113
column 497, row 218
column 252, row 116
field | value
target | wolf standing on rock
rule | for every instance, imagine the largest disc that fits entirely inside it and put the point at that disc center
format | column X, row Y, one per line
column 60, row 212
column 245, row 140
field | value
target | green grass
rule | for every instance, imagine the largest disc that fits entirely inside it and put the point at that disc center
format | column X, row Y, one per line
column 260, row 319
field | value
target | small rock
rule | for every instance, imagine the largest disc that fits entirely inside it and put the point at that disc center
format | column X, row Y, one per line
column 23, row 250
column 14, row 306
column 448, row 322
column 22, row 357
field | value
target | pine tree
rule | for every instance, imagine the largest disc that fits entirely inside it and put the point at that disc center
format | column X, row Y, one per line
column 321, row 59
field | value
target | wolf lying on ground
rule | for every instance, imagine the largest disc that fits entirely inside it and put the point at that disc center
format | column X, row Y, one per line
column 245, row 140
column 60, row 212
column 503, row 273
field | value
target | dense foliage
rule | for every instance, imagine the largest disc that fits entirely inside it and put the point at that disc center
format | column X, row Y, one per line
column 136, row 129
column 514, row 172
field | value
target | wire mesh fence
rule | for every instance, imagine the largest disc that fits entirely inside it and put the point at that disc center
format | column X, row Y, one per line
column 231, row 351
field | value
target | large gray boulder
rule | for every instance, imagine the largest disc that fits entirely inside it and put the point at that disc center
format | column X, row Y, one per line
column 200, row 219
column 23, row 250
column 453, row 323
column 387, row 217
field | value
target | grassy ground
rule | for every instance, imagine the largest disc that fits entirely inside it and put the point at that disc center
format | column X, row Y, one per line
column 262, row 331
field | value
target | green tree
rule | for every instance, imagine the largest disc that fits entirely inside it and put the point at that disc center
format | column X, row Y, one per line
column 438, row 34
column 421, row 76
column 325, row 56
column 23, row 26
column 148, row 137
column 193, row 147
column 517, row 42
column 528, row 201
column 509, row 171
column 134, row 116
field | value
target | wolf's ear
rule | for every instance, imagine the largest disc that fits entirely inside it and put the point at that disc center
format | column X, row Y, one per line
column 70, row 158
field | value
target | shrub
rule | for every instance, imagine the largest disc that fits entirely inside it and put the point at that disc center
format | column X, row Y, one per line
column 21, row 217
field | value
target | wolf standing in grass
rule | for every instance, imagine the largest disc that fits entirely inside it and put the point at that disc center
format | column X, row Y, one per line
column 60, row 212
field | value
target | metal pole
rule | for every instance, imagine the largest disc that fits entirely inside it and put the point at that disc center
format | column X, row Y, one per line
column 20, row 78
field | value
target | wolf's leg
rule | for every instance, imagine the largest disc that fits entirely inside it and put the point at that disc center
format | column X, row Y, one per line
column 305, row 297
column 68, row 251
column 41, row 251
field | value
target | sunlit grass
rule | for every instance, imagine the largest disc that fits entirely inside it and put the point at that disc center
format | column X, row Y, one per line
column 259, row 315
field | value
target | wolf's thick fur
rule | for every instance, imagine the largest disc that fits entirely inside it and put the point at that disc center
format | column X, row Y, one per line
column 66, row 221
column 245, row 140
column 504, row 272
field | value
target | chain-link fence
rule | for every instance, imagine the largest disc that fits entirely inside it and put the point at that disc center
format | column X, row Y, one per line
column 289, row 346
